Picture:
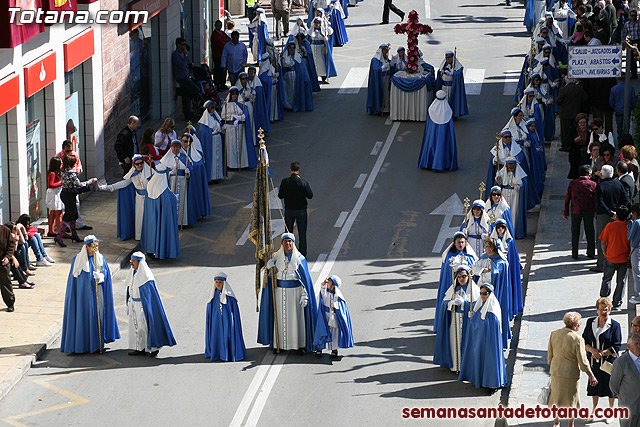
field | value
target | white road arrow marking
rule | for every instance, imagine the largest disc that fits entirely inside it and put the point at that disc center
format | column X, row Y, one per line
column 449, row 208
column 277, row 225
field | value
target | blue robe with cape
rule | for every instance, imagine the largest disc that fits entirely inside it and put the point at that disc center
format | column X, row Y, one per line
column 80, row 321
column 528, row 15
column 482, row 357
column 340, row 36
column 252, row 157
column 159, row 332
column 205, row 135
column 446, row 279
column 322, row 332
column 328, row 57
column 491, row 173
column 160, row 225
column 537, row 165
column 515, row 278
column 126, row 209
column 302, row 92
column 506, row 215
column 266, row 316
column 438, row 150
column 458, row 95
column 502, row 286
column 376, row 87
column 263, row 34
column 267, row 84
column 198, row 194
column 223, row 338
column 442, row 351
column 310, row 63
column 261, row 110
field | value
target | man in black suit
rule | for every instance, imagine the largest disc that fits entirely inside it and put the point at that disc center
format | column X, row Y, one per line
column 127, row 143
column 572, row 100
column 627, row 180
column 625, row 381
column 295, row 191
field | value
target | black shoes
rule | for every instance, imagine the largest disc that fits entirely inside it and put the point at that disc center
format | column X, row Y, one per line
column 10, row 309
column 154, row 353
column 60, row 243
column 85, row 227
column 401, row 16
column 137, row 353
column 334, row 355
column 596, row 270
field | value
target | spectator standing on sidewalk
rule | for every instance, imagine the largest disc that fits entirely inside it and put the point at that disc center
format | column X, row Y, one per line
column 181, row 66
column 616, row 102
column 295, row 191
column 633, row 234
column 218, row 40
column 54, row 187
column 127, row 143
column 281, row 10
column 632, row 29
column 6, row 253
column 625, row 381
column 626, row 179
column 581, row 198
column 77, row 168
column 234, row 56
column 610, row 194
column 572, row 100
column 616, row 249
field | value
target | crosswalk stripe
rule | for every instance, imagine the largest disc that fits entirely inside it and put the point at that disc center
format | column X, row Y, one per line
column 354, row 80
column 511, row 78
column 473, row 78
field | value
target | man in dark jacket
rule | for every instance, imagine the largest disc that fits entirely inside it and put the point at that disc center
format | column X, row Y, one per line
column 127, row 143
column 599, row 90
column 572, row 100
column 581, row 197
column 627, row 180
column 295, row 191
column 610, row 194
column 7, row 246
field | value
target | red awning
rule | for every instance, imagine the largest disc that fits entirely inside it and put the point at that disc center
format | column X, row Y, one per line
column 12, row 35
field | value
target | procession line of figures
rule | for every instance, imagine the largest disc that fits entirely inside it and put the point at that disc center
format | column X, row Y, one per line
column 90, row 321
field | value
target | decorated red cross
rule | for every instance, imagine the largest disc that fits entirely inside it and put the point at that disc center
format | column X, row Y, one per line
column 412, row 29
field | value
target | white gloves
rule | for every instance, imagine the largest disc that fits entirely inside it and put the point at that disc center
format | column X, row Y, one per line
column 465, row 231
column 271, row 263
column 529, row 70
column 458, row 300
column 526, row 144
column 98, row 276
column 187, row 172
column 336, row 306
column 105, row 187
column 448, row 73
column 173, row 172
column 385, row 67
column 304, row 300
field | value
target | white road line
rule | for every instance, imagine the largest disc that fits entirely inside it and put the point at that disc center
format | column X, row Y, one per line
column 277, row 228
column 354, row 81
column 263, row 394
column 341, row 218
column 376, row 148
column 317, row 266
column 511, row 78
column 389, row 121
column 342, row 237
column 360, row 180
column 473, row 78
column 263, row 368
column 427, row 9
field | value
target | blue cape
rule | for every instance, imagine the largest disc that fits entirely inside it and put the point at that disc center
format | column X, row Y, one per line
column 458, row 95
column 442, row 351
column 266, row 317
column 515, row 278
column 160, row 226
column 251, row 151
column 446, row 280
column 506, row 215
column 322, row 332
column 328, row 57
column 522, row 80
column 261, row 110
column 205, row 135
column 302, row 92
column 159, row 330
column 223, row 338
column 528, row 15
column 198, row 188
column 309, row 62
column 267, row 84
column 263, row 35
column 438, row 150
column 502, row 286
column 482, row 357
column 340, row 36
column 80, row 321
column 126, row 212
column 376, row 87
column 537, row 167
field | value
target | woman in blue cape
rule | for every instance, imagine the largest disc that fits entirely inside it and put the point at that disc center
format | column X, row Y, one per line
column 337, row 17
column 240, row 151
column 260, row 103
column 89, row 320
column 198, row 183
column 258, row 34
column 379, row 84
column 460, row 253
column 189, row 208
column 509, row 248
column 160, row 223
column 451, row 80
column 439, row 150
column 506, row 148
column 319, row 37
column 483, row 361
column 298, row 94
column 149, row 328
column 303, row 48
column 492, row 268
column 515, row 187
column 497, row 208
column 223, row 338
column 333, row 329
column 273, row 89
column 212, row 139
column 458, row 300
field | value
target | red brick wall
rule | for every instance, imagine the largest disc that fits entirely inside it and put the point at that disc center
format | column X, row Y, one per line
column 115, row 83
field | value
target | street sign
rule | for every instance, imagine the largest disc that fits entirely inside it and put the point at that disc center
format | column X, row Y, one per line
column 593, row 62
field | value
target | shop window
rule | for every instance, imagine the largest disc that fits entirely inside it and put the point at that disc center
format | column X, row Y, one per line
column 36, row 154
column 74, row 110
column 5, row 200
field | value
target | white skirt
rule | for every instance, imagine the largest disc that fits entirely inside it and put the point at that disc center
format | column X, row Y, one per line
column 53, row 199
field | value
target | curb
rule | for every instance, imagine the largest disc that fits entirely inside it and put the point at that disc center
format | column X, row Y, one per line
column 518, row 367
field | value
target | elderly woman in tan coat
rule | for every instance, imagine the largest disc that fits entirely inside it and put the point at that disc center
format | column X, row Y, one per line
column 567, row 357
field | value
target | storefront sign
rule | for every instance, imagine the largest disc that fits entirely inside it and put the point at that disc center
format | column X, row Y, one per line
column 152, row 6
column 593, row 62
column 39, row 74
column 10, row 90
column 78, row 49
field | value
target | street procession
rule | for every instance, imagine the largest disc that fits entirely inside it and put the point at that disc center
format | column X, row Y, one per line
column 310, row 212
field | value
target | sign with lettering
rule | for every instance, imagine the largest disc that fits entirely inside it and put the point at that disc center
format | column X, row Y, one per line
column 593, row 62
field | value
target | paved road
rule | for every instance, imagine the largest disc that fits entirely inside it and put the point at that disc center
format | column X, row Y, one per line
column 382, row 247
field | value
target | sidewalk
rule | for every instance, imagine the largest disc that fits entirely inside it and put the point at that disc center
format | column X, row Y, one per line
column 557, row 284
column 37, row 322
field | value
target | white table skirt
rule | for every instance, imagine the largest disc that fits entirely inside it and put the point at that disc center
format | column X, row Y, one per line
column 412, row 106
